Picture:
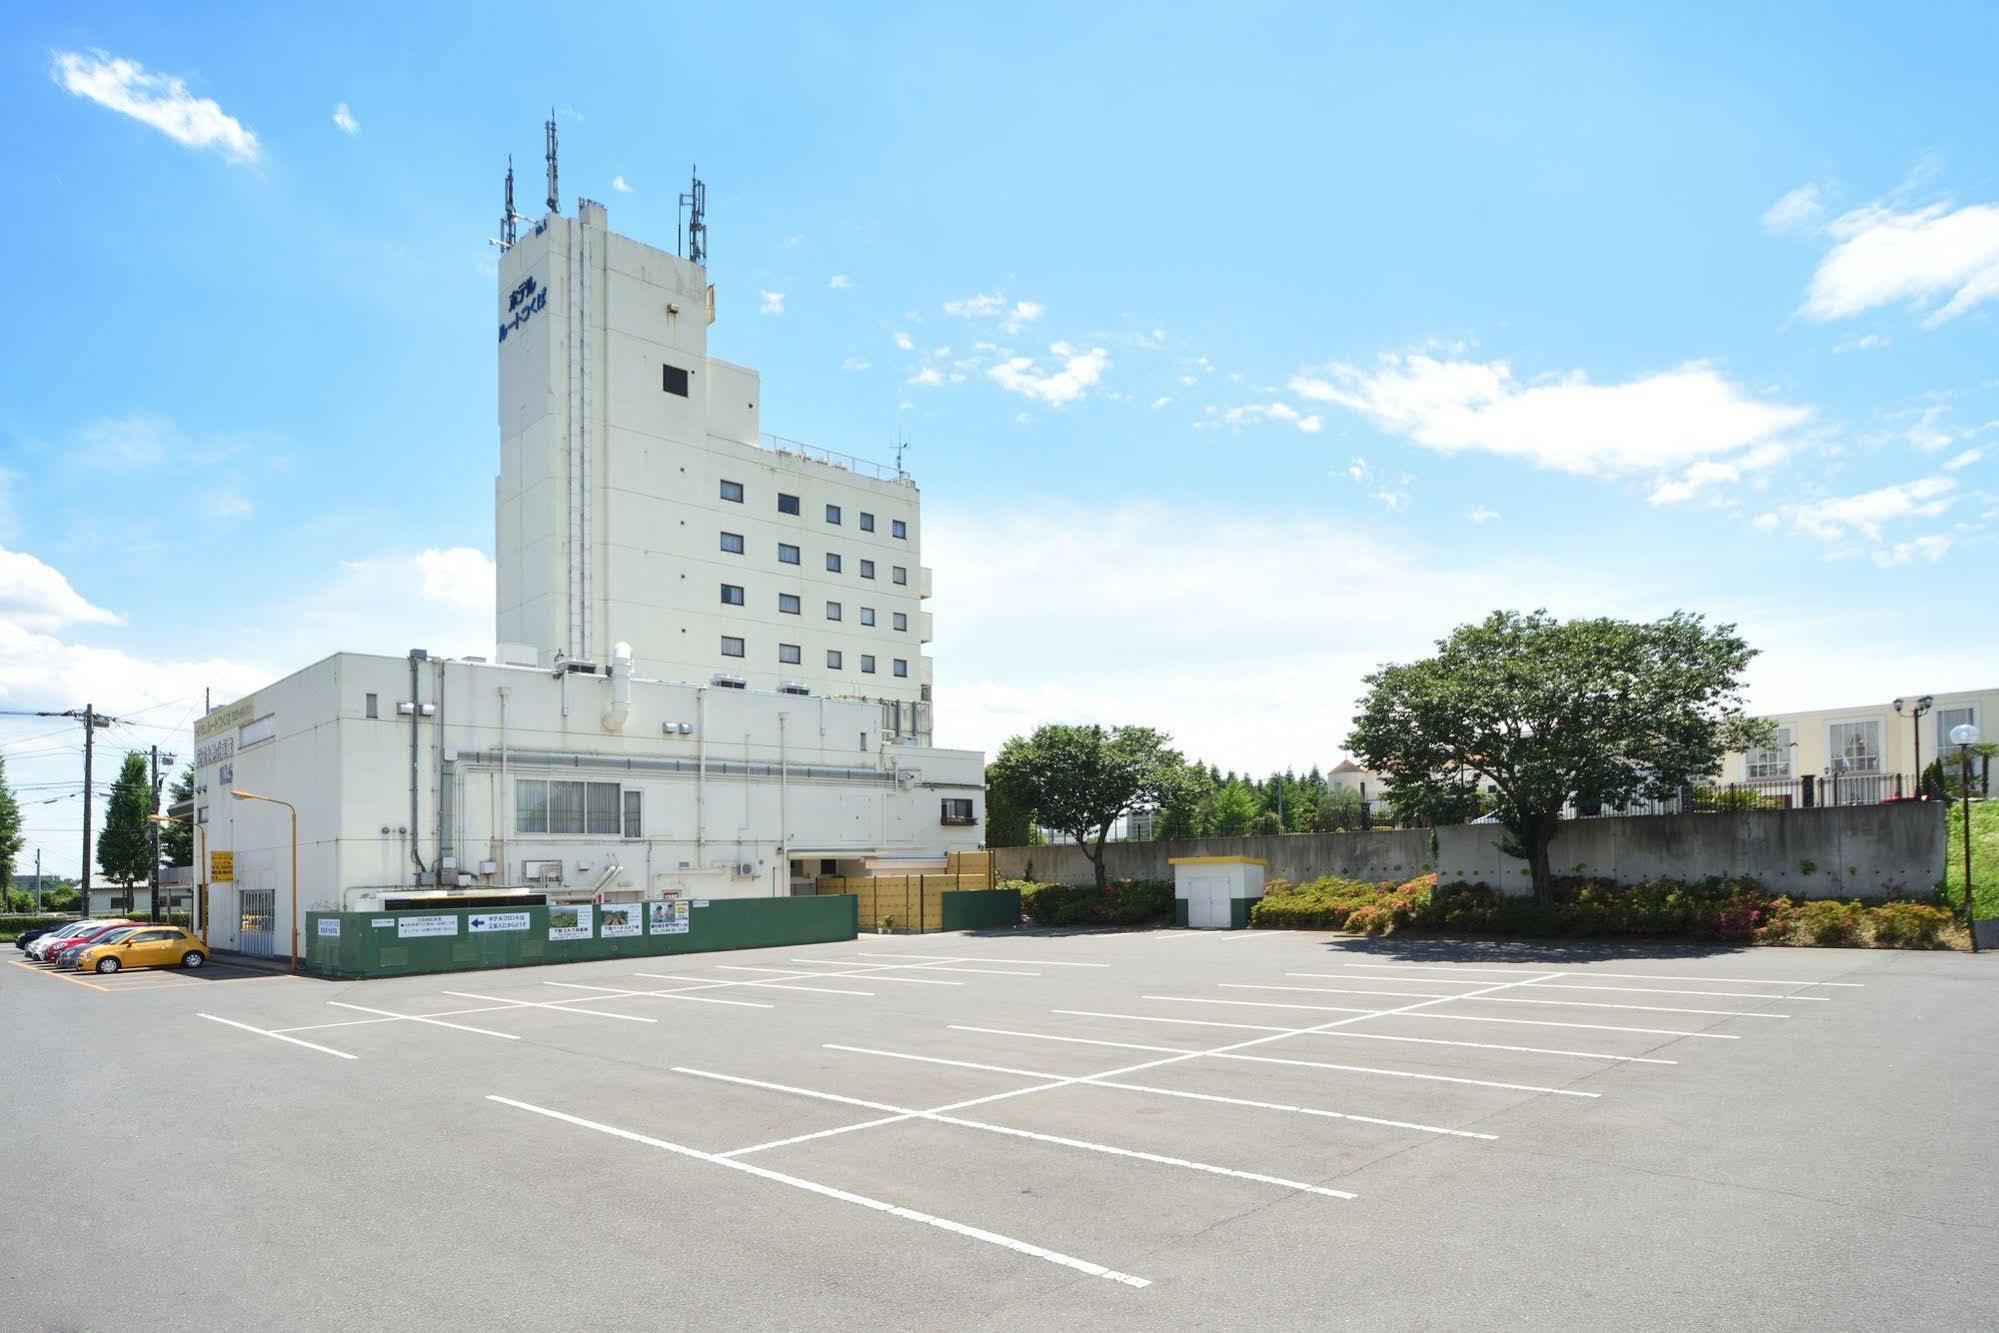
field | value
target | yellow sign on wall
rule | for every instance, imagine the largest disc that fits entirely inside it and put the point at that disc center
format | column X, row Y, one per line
column 222, row 867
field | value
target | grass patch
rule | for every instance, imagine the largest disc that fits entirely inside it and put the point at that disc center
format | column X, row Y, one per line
column 1984, row 859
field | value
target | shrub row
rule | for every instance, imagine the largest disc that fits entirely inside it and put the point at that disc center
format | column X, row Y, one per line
column 1733, row 910
column 1123, row 902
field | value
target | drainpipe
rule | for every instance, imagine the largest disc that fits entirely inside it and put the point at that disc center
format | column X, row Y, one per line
column 700, row 777
column 783, row 830
column 417, row 658
column 500, row 793
column 437, row 852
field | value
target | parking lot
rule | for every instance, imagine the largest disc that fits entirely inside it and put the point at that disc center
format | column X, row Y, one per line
column 1149, row 1128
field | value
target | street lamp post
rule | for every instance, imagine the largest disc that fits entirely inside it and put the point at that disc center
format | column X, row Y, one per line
column 1916, row 711
column 252, row 796
column 1964, row 736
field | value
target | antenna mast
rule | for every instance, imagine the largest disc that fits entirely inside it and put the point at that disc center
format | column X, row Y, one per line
column 554, row 198
column 507, row 232
column 694, row 207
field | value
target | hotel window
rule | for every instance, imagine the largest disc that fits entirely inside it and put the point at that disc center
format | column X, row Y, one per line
column 570, row 808
column 867, row 521
column 901, row 620
column 867, row 664
column 789, row 654
column 832, row 562
column 732, row 595
column 832, row 513
column 867, row 615
column 867, row 569
column 787, row 602
column 673, row 379
column 901, row 667
column 832, row 610
column 1773, row 761
column 899, row 575
column 732, row 542
column 732, row 490
column 898, row 528
column 1859, row 743
column 731, row 646
column 1946, row 719
column 832, row 659
column 958, row 810
column 787, row 504
column 374, row 708
column 634, row 826
column 787, row 555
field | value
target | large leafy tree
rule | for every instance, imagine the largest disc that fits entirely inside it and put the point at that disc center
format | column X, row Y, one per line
column 1008, row 824
column 1081, row 780
column 177, row 840
column 1554, row 713
column 10, row 828
column 125, row 846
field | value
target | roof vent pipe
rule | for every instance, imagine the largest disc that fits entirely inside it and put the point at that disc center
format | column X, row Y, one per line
column 620, row 708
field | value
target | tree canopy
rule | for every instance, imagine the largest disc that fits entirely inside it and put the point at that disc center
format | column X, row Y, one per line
column 125, row 847
column 1586, row 713
column 1081, row 780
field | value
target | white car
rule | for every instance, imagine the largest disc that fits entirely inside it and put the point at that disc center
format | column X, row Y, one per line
column 44, row 948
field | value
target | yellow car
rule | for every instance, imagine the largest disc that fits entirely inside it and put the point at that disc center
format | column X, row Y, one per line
column 154, row 946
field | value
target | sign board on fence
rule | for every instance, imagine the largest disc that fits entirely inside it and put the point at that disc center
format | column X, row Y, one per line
column 569, row 922
column 670, row 917
column 409, row 927
column 329, row 925
column 221, row 867
column 491, row 921
column 621, row 920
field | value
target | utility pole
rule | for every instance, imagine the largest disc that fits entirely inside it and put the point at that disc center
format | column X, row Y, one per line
column 153, row 842
column 38, row 881
column 92, row 720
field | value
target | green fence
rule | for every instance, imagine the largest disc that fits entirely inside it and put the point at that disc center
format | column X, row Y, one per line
column 981, row 909
column 348, row 945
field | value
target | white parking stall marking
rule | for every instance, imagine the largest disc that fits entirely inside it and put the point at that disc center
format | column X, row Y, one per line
column 873, row 975
column 558, row 1008
column 1453, row 1018
column 1509, row 999
column 703, row 983
column 1615, row 976
column 662, row 994
column 1172, row 1092
column 931, row 967
column 845, row 1196
column 1011, row 1132
column 934, row 958
column 420, row 1018
column 1492, row 1046
column 1567, row 985
column 279, row 1036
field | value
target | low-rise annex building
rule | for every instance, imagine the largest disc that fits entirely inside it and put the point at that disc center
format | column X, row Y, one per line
column 1872, row 747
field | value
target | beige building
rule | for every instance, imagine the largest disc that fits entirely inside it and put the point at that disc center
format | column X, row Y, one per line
column 1872, row 746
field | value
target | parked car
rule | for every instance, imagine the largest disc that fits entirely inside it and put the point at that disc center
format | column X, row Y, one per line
column 149, row 946
column 40, row 949
column 95, row 931
column 27, row 937
column 65, row 954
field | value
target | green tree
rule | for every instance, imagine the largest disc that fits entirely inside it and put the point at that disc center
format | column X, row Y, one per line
column 177, row 840
column 1338, row 810
column 124, row 847
column 1595, row 712
column 1232, row 811
column 1184, row 813
column 10, row 828
column 1081, row 780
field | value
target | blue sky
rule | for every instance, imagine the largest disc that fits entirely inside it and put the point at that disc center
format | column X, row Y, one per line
column 1234, row 357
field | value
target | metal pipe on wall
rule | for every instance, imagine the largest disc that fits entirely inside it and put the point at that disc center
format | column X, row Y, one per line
column 783, row 829
column 417, row 658
column 499, row 793
column 701, row 777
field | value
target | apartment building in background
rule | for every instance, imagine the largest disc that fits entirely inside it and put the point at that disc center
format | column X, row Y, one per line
column 1868, row 747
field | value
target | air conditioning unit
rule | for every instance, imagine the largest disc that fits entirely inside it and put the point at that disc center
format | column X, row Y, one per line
column 533, row 871
column 729, row 682
column 793, row 687
column 745, row 870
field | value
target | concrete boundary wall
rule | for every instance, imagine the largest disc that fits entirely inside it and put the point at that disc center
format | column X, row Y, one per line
column 1830, row 852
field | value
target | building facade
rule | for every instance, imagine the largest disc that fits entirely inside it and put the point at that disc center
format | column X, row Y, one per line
column 1869, row 746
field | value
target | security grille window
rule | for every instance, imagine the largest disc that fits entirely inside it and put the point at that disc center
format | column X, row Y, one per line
column 789, row 653
column 867, row 665
column 1947, row 718
column 732, row 490
column 634, row 826
column 957, row 810
column 901, row 667
column 374, row 707
column 832, row 610
column 787, row 504
column 787, row 555
column 832, row 562
column 867, row 615
column 570, row 808
column 867, row 569
column 732, row 595
column 673, row 379
column 901, row 621
column 732, row 542
column 867, row 521
column 787, row 602
column 833, row 659
column 1773, row 761
column 832, row 513
column 1859, row 743
column 899, row 575
column 731, row 646
column 898, row 528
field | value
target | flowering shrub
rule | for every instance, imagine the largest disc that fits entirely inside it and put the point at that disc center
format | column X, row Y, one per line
column 1123, row 902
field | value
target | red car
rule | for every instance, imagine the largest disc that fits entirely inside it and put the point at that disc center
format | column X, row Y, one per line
column 85, row 938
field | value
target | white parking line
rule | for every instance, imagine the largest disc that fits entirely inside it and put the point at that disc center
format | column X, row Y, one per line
column 1172, row 1092
column 874, row 973
column 1615, row 976
column 1452, row 1018
column 664, row 994
column 845, row 1196
column 932, row 967
column 1492, row 1046
column 558, row 1008
column 934, row 958
column 1011, row 1132
column 1508, row 999
column 1558, row 985
column 1321, row 1032
column 279, row 1036
column 704, row 984
column 419, row 1018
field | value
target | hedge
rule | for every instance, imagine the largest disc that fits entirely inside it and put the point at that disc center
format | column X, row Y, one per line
column 1732, row 910
column 1123, row 902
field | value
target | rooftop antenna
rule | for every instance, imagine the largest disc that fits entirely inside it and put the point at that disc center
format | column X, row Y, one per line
column 901, row 443
column 694, row 205
column 554, row 198
column 507, row 232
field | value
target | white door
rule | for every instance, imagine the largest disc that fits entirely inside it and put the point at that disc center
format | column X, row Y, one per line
column 1208, row 902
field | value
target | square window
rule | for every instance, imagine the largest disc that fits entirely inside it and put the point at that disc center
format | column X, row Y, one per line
column 789, row 653
column 867, row 615
column 832, row 659
column 673, row 379
column 832, row 513
column 957, row 810
column 901, row 620
column 899, row 575
column 787, row 602
column 787, row 555
column 732, row 490
column 731, row 647
column 732, row 595
column 867, row 569
column 787, row 504
column 732, row 542
column 901, row 667
column 832, row 562
column 898, row 528
column 867, row 664
column 867, row 522
column 832, row 610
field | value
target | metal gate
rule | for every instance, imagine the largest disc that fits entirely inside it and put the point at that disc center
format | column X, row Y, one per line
column 255, row 910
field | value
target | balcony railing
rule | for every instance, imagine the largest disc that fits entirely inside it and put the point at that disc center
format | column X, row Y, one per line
column 860, row 467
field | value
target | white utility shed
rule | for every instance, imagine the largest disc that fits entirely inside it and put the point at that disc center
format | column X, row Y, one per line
column 1213, row 886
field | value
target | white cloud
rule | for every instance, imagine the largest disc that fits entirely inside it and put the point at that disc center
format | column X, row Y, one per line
column 1661, row 421
column 1866, row 342
column 1249, row 414
column 840, row 282
column 344, row 118
column 1162, row 400
column 1709, row 473
column 1941, row 258
column 1022, row 314
column 1800, row 210
column 855, row 364
column 1394, row 501
column 1478, row 516
column 976, row 307
column 1078, row 372
column 904, row 343
column 1312, row 424
column 1863, row 514
column 159, row 100
column 1964, row 460
column 621, row 185
column 1931, row 549
column 773, row 303
column 439, row 598
column 929, row 376
column 35, row 596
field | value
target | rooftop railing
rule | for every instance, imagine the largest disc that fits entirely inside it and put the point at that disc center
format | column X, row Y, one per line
column 834, row 458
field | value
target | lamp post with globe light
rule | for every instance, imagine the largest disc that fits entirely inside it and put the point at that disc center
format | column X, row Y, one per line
column 1964, row 736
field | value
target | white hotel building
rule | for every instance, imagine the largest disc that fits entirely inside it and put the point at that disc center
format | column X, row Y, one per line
column 709, row 678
